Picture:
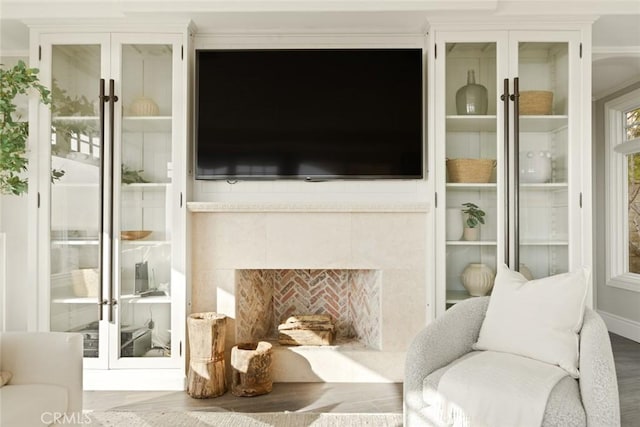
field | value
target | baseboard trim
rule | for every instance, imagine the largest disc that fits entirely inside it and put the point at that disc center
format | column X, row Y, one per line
column 621, row 326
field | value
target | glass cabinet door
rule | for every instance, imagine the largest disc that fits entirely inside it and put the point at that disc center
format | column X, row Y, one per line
column 473, row 165
column 76, row 272
column 142, row 192
column 542, row 149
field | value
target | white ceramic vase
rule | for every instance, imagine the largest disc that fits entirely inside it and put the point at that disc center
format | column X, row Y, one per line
column 454, row 224
column 477, row 279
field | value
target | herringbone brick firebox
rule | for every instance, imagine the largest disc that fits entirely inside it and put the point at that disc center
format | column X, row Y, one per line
column 266, row 298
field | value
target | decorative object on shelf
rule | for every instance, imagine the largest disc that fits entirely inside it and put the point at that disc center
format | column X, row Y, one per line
column 86, row 282
column 474, row 217
column 535, row 166
column 134, row 234
column 524, row 270
column 477, row 279
column 476, row 171
column 14, row 132
column 535, row 102
column 471, row 99
column 251, row 369
column 144, row 106
column 130, row 176
column 206, row 376
column 455, row 225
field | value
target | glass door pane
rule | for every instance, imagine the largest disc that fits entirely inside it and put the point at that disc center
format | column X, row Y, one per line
column 543, row 73
column 75, row 193
column 471, row 164
column 143, row 201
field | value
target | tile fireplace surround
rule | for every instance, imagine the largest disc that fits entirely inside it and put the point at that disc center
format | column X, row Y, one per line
column 365, row 264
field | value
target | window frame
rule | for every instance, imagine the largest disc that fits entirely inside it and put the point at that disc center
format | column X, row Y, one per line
column 617, row 211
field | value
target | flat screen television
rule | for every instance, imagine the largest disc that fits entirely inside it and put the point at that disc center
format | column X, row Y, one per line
column 310, row 114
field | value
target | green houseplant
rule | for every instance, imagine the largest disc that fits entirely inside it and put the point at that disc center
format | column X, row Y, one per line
column 474, row 217
column 14, row 132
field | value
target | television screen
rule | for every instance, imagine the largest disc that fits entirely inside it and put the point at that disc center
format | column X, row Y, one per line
column 309, row 114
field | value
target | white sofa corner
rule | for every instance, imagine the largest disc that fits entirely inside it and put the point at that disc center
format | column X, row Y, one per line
column 47, row 378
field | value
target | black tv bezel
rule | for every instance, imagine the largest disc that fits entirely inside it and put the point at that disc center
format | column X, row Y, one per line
column 313, row 178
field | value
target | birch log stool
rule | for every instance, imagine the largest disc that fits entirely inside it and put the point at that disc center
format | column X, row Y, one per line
column 251, row 365
column 206, row 376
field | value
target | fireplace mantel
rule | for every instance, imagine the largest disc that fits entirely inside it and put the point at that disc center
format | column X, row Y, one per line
column 284, row 207
column 388, row 239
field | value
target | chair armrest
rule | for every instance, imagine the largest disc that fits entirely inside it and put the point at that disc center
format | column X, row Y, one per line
column 598, row 383
column 446, row 339
column 45, row 358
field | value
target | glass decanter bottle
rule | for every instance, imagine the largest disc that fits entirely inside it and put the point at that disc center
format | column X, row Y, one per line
column 472, row 98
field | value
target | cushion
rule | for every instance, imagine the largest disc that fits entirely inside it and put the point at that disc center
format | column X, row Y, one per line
column 5, row 377
column 539, row 319
column 31, row 404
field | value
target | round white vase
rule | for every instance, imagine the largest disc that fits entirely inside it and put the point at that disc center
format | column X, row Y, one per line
column 454, row 224
column 477, row 279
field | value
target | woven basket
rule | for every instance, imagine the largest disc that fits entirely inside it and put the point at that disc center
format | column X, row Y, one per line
column 536, row 102
column 470, row 170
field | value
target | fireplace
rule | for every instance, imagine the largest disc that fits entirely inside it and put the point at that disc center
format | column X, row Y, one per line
column 266, row 298
column 364, row 265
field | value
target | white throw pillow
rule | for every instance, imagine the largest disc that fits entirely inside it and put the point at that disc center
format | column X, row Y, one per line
column 540, row 319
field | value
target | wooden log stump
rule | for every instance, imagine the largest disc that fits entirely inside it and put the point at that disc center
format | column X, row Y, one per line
column 251, row 365
column 206, row 376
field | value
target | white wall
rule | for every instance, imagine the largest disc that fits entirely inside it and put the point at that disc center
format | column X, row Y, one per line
column 620, row 307
column 13, row 223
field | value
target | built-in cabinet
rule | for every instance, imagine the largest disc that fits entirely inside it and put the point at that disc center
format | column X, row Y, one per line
column 110, row 177
column 521, row 155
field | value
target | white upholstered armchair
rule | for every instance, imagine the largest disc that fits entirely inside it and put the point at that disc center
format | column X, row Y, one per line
column 46, row 369
column 590, row 401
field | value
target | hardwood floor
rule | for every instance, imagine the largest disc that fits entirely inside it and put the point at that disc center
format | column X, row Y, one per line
column 626, row 354
column 293, row 397
column 342, row 397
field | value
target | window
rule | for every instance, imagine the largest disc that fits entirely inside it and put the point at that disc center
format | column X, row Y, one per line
column 622, row 130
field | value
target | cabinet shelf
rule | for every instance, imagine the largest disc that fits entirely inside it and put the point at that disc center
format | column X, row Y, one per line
column 454, row 297
column 470, row 186
column 544, row 243
column 471, row 123
column 543, row 123
column 132, row 243
column 489, row 123
column 75, row 300
column 545, row 186
column 137, row 299
column 157, row 186
column 471, row 243
column 74, row 119
column 147, row 124
column 75, row 242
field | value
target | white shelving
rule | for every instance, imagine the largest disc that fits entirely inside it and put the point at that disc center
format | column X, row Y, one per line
column 547, row 214
column 90, row 197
